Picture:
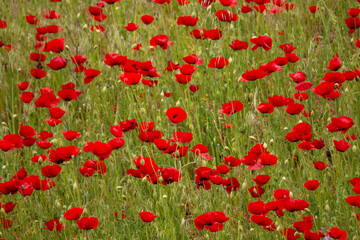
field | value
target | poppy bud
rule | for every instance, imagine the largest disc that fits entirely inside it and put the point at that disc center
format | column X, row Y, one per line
column 291, row 195
column 327, row 208
column 67, row 47
column 271, row 141
column 57, row 203
column 244, row 185
column 252, row 138
column 307, row 210
column 118, row 188
column 4, row 167
column 85, row 26
column 354, row 148
column 164, row 197
column 95, row 46
column 75, row 185
column 178, row 103
column 19, row 69
column 142, row 110
column 265, row 145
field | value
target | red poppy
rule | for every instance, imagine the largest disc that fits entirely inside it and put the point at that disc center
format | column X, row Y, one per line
column 218, row 62
column 337, row 233
column 73, row 213
column 314, row 9
column 176, row 114
column 231, row 107
column 261, row 41
column 239, row 45
column 228, row 3
column 38, row 73
column 226, row 16
column 147, row 19
column 187, row 20
column 194, row 88
column 57, row 63
column 32, row 19
column 51, row 171
column 212, row 221
column 341, row 145
column 147, row 216
column 312, row 185
column 131, row 27
column 161, row 40
column 99, row 149
column 253, row 75
column 63, row 154
column 87, row 223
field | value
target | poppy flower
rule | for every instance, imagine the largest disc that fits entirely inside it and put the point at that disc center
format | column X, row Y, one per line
column 71, row 135
column 212, row 221
column 90, row 74
column 341, row 145
column 199, row 33
column 218, row 62
column 99, row 149
column 32, row 19
column 51, row 171
column 246, row 9
column 335, row 63
column 312, row 185
column 57, row 63
column 287, row 48
column 337, row 233
column 97, row 28
column 147, row 19
column 239, row 45
column 231, row 107
column 303, row 86
column 226, row 16
column 187, row 20
column 228, row 3
column 294, row 108
column 352, row 23
column 176, row 114
column 194, row 88
column 253, row 75
column 202, row 150
column 147, row 216
column 261, row 220
column 161, row 40
column 261, row 179
column 73, row 213
column 170, row 175
column 23, row 85
column 231, row 184
column 56, row 112
column 261, row 41
column 38, row 73
column 131, row 27
column 56, row 45
column 193, row 59
column 314, row 9
column 213, row 34
column 50, row 14
column 301, row 96
column 87, row 223
column 27, row 131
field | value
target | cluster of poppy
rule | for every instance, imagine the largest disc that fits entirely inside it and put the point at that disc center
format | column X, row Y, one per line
column 133, row 72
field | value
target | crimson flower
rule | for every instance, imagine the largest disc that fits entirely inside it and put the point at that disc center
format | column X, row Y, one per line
column 87, row 223
column 176, row 114
column 147, row 216
column 231, row 107
column 212, row 221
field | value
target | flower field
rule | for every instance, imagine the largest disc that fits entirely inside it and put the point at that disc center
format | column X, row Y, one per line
column 179, row 119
